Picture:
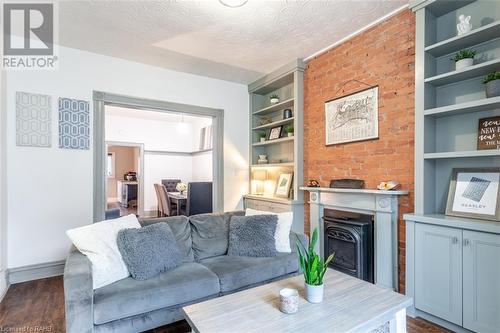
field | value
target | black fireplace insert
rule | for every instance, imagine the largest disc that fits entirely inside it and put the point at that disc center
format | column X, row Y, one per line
column 350, row 236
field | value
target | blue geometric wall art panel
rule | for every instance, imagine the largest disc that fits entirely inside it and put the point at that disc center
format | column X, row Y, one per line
column 74, row 124
column 33, row 120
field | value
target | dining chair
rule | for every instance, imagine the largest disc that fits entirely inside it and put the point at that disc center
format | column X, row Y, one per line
column 170, row 184
column 169, row 209
column 159, row 210
column 199, row 198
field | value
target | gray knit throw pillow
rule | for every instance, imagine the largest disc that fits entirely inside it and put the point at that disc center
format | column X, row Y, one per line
column 148, row 251
column 252, row 236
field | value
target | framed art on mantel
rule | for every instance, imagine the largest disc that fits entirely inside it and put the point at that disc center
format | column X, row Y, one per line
column 475, row 193
column 352, row 118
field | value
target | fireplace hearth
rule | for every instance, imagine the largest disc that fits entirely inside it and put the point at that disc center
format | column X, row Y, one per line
column 350, row 236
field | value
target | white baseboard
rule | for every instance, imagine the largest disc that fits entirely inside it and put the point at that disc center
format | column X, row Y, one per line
column 35, row 272
column 3, row 284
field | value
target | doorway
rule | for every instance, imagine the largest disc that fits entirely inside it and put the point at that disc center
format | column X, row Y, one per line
column 124, row 168
column 103, row 100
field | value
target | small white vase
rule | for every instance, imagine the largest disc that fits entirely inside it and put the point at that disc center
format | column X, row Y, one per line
column 290, row 134
column 275, row 100
column 314, row 294
column 262, row 139
column 461, row 64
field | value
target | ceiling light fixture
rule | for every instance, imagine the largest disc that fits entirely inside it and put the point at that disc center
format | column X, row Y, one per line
column 233, row 3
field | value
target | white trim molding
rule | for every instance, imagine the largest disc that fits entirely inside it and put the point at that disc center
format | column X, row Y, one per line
column 355, row 33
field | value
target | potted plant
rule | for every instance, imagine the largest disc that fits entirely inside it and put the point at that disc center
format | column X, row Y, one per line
column 274, row 99
column 313, row 268
column 181, row 187
column 289, row 131
column 492, row 82
column 262, row 136
column 464, row 58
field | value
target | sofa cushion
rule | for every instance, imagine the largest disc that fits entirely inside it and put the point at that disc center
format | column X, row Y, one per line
column 129, row 297
column 210, row 233
column 182, row 232
column 252, row 236
column 149, row 250
column 239, row 272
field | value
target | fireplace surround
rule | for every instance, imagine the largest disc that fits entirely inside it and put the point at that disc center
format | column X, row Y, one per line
column 382, row 205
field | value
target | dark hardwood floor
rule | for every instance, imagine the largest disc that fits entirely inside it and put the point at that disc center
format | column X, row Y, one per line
column 38, row 306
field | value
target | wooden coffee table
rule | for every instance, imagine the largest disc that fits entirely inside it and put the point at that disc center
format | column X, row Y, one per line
column 349, row 305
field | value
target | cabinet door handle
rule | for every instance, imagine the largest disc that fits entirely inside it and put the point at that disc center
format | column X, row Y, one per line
column 466, row 242
column 454, row 240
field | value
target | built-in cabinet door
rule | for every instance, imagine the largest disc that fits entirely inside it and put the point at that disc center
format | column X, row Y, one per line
column 438, row 271
column 481, row 253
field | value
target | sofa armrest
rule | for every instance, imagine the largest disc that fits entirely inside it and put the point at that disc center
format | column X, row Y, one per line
column 301, row 237
column 78, row 293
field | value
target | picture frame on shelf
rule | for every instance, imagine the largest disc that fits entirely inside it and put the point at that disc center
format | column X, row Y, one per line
column 488, row 133
column 275, row 132
column 284, row 185
column 474, row 193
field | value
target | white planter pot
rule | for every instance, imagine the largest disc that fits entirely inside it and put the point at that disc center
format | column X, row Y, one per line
column 262, row 139
column 290, row 134
column 461, row 64
column 275, row 100
column 314, row 294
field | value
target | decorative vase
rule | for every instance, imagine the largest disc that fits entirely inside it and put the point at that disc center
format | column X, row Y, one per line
column 275, row 100
column 287, row 113
column 289, row 300
column 464, row 26
column 314, row 294
column 493, row 88
column 463, row 63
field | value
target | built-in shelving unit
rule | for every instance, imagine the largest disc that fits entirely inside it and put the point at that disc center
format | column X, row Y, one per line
column 449, row 103
column 284, row 154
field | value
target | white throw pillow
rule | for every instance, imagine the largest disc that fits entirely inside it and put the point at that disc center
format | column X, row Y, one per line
column 98, row 242
column 282, row 234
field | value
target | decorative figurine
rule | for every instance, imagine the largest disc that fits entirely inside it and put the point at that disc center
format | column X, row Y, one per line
column 262, row 159
column 464, row 26
column 312, row 183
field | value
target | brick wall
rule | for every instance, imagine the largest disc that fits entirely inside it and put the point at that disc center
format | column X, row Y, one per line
column 383, row 56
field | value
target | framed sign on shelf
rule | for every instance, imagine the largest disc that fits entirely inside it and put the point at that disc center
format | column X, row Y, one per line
column 475, row 193
column 352, row 118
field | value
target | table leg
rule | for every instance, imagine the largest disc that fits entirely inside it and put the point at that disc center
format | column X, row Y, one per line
column 398, row 323
column 178, row 207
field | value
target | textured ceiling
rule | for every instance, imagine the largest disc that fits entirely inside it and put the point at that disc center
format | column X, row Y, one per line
column 207, row 38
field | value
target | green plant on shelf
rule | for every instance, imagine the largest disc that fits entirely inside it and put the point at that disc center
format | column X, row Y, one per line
column 491, row 77
column 312, row 266
column 261, row 135
column 464, row 54
column 289, row 129
column 274, row 96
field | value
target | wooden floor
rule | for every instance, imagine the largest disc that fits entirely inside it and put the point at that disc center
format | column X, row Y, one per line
column 38, row 306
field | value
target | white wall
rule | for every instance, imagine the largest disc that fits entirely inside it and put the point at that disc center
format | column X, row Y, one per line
column 202, row 167
column 50, row 190
column 3, row 188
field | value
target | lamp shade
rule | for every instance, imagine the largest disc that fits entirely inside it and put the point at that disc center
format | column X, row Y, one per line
column 260, row 174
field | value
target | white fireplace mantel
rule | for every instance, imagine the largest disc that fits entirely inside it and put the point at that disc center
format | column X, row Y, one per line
column 383, row 205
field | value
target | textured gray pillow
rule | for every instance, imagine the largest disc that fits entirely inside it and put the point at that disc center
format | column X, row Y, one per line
column 149, row 251
column 210, row 233
column 252, row 236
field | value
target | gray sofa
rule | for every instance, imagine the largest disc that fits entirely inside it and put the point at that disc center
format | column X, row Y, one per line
column 131, row 305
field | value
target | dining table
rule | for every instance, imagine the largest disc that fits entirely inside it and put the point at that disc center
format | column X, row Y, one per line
column 178, row 198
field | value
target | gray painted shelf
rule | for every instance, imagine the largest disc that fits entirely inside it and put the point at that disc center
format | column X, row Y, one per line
column 461, row 154
column 476, row 36
column 464, row 74
column 273, row 142
column 275, row 107
column 439, row 7
column 267, row 165
column 466, row 107
column 275, row 123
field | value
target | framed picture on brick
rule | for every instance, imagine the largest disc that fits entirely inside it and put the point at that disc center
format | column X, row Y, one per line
column 352, row 118
column 475, row 193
